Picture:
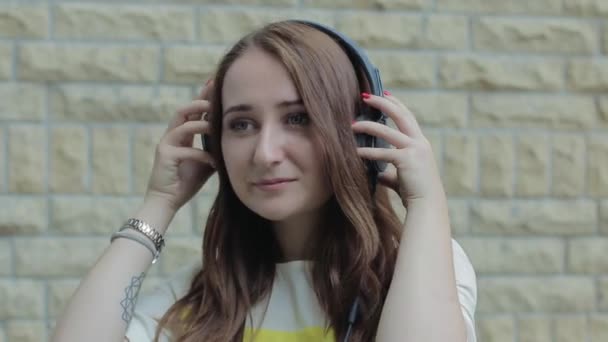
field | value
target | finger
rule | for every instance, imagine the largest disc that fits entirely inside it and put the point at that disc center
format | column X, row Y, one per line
column 390, row 135
column 206, row 90
column 191, row 112
column 183, row 135
column 389, row 180
column 401, row 116
column 191, row 153
column 390, row 155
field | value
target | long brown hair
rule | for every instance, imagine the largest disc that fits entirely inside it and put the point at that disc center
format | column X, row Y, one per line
column 360, row 232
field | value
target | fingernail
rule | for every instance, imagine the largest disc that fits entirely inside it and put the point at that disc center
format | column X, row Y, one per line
column 365, row 95
column 354, row 122
column 386, row 92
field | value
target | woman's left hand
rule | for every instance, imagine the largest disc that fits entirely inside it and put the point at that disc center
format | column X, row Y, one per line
column 415, row 175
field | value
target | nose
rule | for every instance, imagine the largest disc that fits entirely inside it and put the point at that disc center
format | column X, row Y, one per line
column 269, row 148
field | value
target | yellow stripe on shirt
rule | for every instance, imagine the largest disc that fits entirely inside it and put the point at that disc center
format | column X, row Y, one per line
column 316, row 334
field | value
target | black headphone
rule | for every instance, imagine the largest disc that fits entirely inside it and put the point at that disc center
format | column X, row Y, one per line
column 361, row 62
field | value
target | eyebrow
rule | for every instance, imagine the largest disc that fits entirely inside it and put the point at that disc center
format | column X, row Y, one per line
column 247, row 107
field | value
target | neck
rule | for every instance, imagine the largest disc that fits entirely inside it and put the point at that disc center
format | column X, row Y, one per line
column 296, row 236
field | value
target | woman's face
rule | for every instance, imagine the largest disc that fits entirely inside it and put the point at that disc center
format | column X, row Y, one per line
column 267, row 141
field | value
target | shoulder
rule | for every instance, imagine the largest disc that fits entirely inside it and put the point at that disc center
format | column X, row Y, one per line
column 466, row 284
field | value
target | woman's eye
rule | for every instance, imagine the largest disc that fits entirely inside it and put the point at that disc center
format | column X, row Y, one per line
column 298, row 119
column 239, row 125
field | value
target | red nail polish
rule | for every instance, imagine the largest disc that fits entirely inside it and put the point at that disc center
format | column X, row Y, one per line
column 386, row 92
column 365, row 95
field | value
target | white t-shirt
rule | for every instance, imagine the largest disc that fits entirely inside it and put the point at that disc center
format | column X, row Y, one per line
column 293, row 313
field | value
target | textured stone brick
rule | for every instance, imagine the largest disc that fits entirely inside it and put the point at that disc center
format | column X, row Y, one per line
column 21, row 101
column 500, row 255
column 536, row 294
column 598, row 324
column 179, row 253
column 27, row 159
column 460, row 172
column 127, row 103
column 6, row 61
column 57, row 257
column 23, row 21
column 60, row 292
column 381, row 30
column 588, row 75
column 603, row 294
column 145, row 142
column 588, row 255
column 543, row 111
column 586, row 7
column 597, row 178
column 535, row 329
column 605, row 39
column 496, row 165
column 476, row 72
column 26, row 331
column 570, row 329
column 53, row 62
column 436, row 110
column 124, row 22
column 22, row 215
column 446, row 32
column 604, row 216
column 69, row 159
column 3, row 161
column 498, row 6
column 603, row 107
column 400, row 70
column 193, row 65
column 21, row 299
column 110, row 160
column 533, row 163
column 568, row 166
column 459, row 216
column 496, row 329
column 548, row 217
column 533, row 35
column 6, row 258
column 369, row 4
column 74, row 214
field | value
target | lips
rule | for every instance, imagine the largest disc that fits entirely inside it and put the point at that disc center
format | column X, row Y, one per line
column 274, row 181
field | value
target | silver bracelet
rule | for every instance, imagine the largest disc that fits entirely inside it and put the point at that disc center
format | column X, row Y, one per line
column 147, row 230
column 133, row 235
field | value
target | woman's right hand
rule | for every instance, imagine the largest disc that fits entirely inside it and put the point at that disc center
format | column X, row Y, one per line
column 180, row 169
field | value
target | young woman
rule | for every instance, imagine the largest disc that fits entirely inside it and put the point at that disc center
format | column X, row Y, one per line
column 298, row 246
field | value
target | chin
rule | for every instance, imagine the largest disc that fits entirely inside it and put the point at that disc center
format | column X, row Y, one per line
column 272, row 213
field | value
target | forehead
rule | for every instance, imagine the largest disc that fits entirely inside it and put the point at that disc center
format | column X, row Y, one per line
column 256, row 77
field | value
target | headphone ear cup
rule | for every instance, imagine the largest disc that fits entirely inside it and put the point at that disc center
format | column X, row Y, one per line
column 206, row 140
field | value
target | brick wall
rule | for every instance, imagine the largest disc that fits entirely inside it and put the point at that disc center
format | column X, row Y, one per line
column 511, row 94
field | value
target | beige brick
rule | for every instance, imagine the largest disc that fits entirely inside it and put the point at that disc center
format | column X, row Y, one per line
column 496, row 329
column 476, row 72
column 3, row 161
column 21, row 101
column 598, row 324
column 500, row 255
column 6, row 258
column 603, row 294
column 228, row 26
column 603, row 107
column 23, row 21
column 381, row 30
column 124, row 22
column 549, row 217
column 460, row 172
column 145, row 142
column 57, row 257
column 568, row 166
column 180, row 252
column 605, row 40
column 21, row 299
column 604, row 216
column 588, row 75
column 60, row 292
column 6, row 61
column 53, row 62
column 128, row 103
column 525, row 294
column 437, row 110
column 534, row 329
column 74, row 214
column 496, row 165
column 68, row 159
column 588, row 255
column 251, row 2
column 401, row 70
column 203, row 203
column 533, row 163
column 542, row 111
column 597, row 178
column 446, row 32
column 459, row 216
column 110, row 160
column 22, row 215
column 535, row 35
column 27, row 159
column 569, row 329
column 586, row 7
column 193, row 65
column 369, row 4
column 26, row 331
column 498, row 6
